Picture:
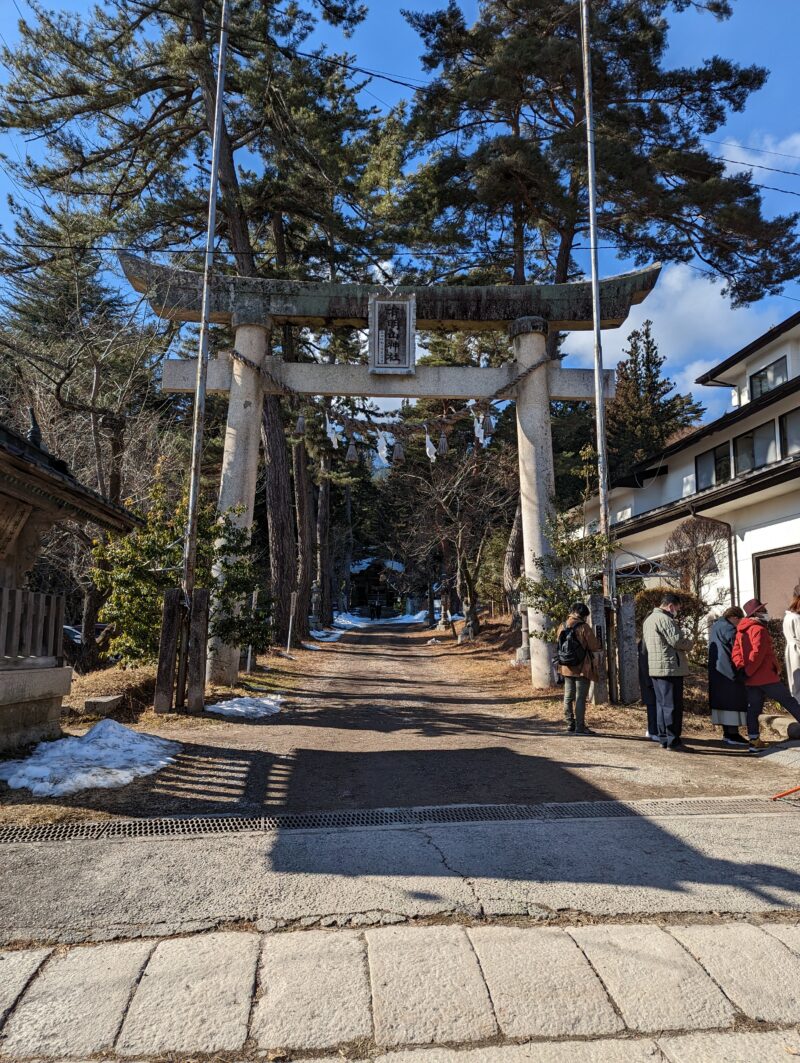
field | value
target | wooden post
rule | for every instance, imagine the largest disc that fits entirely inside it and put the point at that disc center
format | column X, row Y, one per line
column 167, row 649
column 198, row 640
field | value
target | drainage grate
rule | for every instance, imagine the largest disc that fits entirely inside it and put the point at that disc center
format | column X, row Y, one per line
column 388, row 817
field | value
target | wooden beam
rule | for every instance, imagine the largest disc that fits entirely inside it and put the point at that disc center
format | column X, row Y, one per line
column 428, row 382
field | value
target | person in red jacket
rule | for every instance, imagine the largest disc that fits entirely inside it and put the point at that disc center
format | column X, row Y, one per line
column 754, row 654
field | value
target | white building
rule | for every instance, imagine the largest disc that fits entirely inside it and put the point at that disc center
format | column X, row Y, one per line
column 742, row 469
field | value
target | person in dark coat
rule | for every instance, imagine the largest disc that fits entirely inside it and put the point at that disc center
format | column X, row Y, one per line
column 727, row 694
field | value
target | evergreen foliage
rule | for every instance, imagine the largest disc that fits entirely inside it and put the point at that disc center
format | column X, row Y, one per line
column 134, row 570
column 646, row 411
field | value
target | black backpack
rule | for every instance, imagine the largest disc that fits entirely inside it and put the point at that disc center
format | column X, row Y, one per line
column 570, row 650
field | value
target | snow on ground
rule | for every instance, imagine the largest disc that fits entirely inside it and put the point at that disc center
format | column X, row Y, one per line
column 350, row 620
column 309, row 646
column 247, row 708
column 363, row 565
column 107, row 756
column 326, row 636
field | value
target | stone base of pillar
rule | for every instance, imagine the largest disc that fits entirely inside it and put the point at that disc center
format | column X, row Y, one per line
column 223, row 663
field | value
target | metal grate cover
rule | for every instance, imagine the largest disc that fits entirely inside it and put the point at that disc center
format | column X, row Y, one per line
column 387, row 817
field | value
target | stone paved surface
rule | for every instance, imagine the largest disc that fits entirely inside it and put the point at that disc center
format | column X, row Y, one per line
column 416, row 994
column 16, row 970
column 194, row 995
column 76, row 1004
column 553, row 975
column 315, row 991
column 427, row 987
column 759, row 974
column 654, row 981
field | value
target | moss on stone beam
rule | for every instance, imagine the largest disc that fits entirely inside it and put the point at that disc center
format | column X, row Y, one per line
column 176, row 294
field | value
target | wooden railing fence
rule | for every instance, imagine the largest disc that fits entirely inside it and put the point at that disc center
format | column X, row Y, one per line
column 31, row 628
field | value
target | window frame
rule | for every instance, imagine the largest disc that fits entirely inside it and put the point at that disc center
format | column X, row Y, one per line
column 782, row 433
column 764, row 369
column 713, row 451
column 752, row 431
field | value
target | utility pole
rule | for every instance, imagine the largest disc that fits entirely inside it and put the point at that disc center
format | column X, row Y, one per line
column 609, row 578
column 198, row 424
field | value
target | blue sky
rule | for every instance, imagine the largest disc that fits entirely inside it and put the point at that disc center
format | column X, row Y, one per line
column 695, row 327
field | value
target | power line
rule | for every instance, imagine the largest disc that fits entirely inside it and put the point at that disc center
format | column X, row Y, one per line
column 759, row 151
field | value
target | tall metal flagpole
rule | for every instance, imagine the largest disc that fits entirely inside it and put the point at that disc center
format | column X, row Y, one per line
column 198, row 424
column 609, row 581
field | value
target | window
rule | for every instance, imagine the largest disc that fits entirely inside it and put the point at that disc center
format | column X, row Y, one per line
column 713, row 467
column 790, row 434
column 755, row 448
column 771, row 376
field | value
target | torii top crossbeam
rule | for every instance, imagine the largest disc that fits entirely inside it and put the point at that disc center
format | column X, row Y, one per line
column 177, row 294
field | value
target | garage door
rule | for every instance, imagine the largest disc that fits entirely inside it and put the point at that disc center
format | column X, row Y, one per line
column 776, row 577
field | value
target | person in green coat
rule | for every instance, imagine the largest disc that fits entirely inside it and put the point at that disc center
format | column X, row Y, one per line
column 667, row 662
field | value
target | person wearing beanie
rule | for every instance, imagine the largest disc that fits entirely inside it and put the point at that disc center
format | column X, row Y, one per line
column 754, row 654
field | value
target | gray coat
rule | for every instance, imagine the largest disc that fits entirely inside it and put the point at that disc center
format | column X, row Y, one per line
column 665, row 644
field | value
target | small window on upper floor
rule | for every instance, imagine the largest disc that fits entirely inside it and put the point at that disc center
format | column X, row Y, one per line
column 768, row 378
column 790, row 434
column 713, row 467
column 755, row 448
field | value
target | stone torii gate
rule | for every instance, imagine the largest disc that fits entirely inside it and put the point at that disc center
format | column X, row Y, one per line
column 251, row 306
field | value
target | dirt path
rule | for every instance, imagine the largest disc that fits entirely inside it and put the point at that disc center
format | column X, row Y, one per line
column 383, row 719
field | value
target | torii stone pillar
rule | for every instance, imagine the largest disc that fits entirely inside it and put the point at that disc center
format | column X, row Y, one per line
column 536, row 473
column 237, row 488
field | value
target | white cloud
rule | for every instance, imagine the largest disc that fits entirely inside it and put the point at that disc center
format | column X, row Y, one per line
column 762, row 149
column 694, row 327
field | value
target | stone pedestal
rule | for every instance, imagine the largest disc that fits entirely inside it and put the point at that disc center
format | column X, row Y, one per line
column 240, row 463
column 536, row 474
column 30, row 704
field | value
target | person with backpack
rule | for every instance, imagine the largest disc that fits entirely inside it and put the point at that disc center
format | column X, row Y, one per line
column 667, row 661
column 577, row 649
column 754, row 654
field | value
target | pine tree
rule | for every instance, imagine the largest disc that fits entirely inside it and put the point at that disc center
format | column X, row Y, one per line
column 502, row 125
column 646, row 410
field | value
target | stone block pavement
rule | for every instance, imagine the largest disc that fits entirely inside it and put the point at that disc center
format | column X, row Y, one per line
column 608, row 993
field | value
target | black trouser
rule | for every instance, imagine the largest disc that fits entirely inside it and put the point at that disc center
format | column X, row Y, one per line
column 755, row 703
column 669, row 707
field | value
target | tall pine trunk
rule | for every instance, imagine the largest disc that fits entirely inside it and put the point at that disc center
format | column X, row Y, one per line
column 279, row 516
column 512, row 564
column 278, row 488
column 324, row 539
column 347, row 560
column 304, row 515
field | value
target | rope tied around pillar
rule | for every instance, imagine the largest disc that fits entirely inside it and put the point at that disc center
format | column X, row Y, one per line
column 263, row 372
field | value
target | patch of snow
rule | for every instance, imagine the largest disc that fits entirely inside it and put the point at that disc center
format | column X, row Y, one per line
column 325, row 636
column 107, row 756
column 360, row 566
column 433, row 642
column 247, row 708
column 309, row 646
column 350, row 620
